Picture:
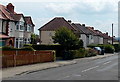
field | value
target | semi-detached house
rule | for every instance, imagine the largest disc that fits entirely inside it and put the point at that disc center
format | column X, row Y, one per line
column 15, row 26
column 88, row 34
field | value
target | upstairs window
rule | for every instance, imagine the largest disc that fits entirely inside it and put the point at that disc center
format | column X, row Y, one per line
column 17, row 26
column 21, row 27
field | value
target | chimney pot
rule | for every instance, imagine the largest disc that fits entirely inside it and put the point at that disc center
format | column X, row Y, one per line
column 83, row 24
column 106, row 33
column 69, row 21
column 10, row 7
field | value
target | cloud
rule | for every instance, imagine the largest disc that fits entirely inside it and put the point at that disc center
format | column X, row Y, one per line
column 61, row 8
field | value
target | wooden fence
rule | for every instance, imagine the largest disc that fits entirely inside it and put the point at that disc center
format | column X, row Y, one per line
column 17, row 58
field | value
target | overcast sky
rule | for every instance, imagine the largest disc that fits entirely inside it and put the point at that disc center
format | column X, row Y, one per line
column 97, row 13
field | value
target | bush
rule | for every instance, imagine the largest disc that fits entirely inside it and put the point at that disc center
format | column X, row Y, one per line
column 27, row 49
column 117, row 47
column 90, row 52
column 27, row 45
column 7, row 48
column 57, row 47
column 107, row 47
column 67, row 55
column 80, row 53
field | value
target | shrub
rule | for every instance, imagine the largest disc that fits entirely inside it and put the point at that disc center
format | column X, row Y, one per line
column 57, row 47
column 27, row 45
column 90, row 52
column 27, row 49
column 107, row 47
column 67, row 55
column 7, row 48
column 80, row 53
column 117, row 47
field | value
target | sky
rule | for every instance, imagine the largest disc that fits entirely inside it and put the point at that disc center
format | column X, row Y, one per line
column 99, row 14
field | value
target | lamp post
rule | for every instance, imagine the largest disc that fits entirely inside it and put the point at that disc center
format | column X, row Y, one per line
column 112, row 33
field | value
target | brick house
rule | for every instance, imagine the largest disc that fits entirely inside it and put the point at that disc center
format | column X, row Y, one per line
column 15, row 25
column 88, row 34
column 48, row 30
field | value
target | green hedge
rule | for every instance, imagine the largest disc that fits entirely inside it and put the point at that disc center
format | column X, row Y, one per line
column 107, row 47
column 80, row 53
column 58, row 48
column 52, row 47
column 117, row 47
column 90, row 52
column 27, row 49
column 8, row 48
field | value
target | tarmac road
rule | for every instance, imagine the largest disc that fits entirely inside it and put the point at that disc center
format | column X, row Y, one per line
column 85, row 69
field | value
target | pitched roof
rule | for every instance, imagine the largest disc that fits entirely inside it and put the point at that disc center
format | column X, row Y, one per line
column 28, row 20
column 17, row 17
column 7, row 15
column 93, row 31
column 82, row 29
column 4, row 13
column 56, row 23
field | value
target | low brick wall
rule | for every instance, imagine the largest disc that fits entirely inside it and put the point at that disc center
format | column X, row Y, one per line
column 17, row 58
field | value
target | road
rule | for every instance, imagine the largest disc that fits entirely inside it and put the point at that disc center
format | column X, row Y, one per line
column 85, row 69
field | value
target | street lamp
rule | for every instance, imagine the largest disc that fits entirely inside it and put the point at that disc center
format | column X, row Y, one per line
column 112, row 33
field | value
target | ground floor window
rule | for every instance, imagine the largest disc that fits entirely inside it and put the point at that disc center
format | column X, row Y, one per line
column 17, row 43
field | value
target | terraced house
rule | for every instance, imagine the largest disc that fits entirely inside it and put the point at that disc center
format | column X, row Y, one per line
column 88, row 34
column 15, row 28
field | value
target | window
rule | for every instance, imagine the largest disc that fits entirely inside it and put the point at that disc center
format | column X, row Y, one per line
column 16, row 42
column 22, row 26
column 29, row 28
column 21, row 42
column 25, row 41
column 17, row 27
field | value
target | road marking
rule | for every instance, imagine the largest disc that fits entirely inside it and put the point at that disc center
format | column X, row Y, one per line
column 77, row 75
column 106, row 62
column 63, row 78
column 90, row 68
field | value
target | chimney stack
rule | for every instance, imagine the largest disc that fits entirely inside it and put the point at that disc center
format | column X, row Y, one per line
column 69, row 21
column 106, row 33
column 10, row 7
column 83, row 24
column 92, row 28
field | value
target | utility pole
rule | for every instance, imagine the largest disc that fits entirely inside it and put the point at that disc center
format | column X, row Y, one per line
column 112, row 33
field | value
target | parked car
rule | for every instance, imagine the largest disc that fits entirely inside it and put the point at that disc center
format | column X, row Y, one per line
column 99, row 50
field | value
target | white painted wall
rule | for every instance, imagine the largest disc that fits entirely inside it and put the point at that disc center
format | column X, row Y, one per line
column 110, row 41
column 4, row 27
column 96, row 39
column 84, row 38
column 46, row 37
column 0, row 25
column 91, row 39
column 100, row 40
column 12, row 29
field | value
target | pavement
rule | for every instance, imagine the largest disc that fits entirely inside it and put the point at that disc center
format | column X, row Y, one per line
column 26, row 69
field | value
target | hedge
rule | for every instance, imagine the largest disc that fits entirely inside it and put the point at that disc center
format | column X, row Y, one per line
column 117, row 47
column 107, row 47
column 8, row 48
column 57, row 47
column 90, row 52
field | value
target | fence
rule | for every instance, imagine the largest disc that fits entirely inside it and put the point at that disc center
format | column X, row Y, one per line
column 16, row 58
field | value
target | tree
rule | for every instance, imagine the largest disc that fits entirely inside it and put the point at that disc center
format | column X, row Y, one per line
column 33, row 39
column 66, row 38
